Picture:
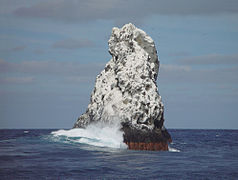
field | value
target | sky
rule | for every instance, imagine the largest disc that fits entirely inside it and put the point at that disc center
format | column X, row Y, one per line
column 52, row 50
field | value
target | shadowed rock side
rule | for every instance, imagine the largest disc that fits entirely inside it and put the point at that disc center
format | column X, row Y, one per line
column 141, row 139
column 126, row 92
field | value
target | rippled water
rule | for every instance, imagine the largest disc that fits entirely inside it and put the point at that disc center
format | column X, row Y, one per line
column 41, row 154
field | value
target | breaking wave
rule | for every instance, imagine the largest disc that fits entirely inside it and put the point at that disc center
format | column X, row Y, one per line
column 173, row 150
column 99, row 134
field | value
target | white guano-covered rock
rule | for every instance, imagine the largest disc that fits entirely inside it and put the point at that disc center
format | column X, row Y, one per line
column 126, row 90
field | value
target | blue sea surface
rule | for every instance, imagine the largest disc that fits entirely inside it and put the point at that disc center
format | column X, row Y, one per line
column 194, row 154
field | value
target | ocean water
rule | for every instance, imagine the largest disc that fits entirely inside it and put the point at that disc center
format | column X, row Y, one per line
column 100, row 154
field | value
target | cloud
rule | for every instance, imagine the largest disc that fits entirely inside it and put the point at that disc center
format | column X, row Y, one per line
column 77, row 79
column 18, row 48
column 211, row 59
column 7, row 6
column 176, row 54
column 5, row 66
column 18, row 80
column 14, row 49
column 73, row 44
column 173, row 67
column 123, row 10
column 178, row 74
column 51, row 68
column 39, row 51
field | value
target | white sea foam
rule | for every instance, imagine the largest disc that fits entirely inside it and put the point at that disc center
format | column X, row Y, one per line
column 102, row 135
column 26, row 131
column 173, row 150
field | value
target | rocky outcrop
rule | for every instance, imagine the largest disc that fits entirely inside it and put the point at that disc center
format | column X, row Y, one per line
column 126, row 91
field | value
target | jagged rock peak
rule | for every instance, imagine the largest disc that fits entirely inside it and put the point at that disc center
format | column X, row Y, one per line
column 126, row 91
column 122, row 40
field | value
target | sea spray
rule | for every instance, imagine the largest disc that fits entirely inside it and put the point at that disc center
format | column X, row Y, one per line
column 173, row 149
column 97, row 134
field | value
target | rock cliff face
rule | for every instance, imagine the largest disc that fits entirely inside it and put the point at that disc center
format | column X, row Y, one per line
column 126, row 91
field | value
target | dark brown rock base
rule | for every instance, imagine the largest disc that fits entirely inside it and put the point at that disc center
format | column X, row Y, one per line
column 160, row 146
column 146, row 139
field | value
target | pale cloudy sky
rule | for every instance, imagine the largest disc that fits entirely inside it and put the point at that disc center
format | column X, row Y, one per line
column 51, row 52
